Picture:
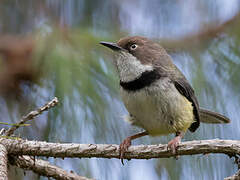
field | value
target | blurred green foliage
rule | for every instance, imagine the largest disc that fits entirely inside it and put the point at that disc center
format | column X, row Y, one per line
column 72, row 66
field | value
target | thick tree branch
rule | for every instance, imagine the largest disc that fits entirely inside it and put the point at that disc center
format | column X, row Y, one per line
column 38, row 148
column 32, row 115
column 43, row 168
column 3, row 163
column 70, row 150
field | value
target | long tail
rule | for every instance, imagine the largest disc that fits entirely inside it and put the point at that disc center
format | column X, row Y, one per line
column 212, row 117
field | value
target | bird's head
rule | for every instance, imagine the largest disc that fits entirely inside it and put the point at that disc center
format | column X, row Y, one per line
column 135, row 55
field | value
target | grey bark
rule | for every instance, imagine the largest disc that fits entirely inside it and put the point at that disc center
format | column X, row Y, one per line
column 44, row 168
column 3, row 163
column 71, row 150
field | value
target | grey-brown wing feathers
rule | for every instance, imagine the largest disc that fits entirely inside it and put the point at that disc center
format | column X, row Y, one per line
column 207, row 116
column 186, row 90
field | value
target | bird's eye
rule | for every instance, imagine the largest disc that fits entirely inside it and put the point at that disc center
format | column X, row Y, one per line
column 133, row 47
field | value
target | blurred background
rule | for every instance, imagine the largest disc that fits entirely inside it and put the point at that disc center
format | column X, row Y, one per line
column 51, row 48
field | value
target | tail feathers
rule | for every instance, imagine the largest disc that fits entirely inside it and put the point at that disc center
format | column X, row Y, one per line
column 212, row 117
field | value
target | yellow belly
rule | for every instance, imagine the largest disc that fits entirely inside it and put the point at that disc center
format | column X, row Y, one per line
column 160, row 111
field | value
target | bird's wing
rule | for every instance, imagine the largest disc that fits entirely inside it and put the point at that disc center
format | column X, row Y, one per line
column 166, row 67
column 187, row 91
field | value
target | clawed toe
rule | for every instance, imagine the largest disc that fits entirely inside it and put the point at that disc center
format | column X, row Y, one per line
column 127, row 142
column 123, row 148
column 173, row 144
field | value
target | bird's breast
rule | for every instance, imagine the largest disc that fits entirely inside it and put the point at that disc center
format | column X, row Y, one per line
column 159, row 108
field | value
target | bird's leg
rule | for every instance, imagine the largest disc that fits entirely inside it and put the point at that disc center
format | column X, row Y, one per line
column 173, row 144
column 127, row 142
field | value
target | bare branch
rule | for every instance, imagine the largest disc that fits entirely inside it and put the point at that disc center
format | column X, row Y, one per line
column 38, row 148
column 40, row 166
column 32, row 115
column 3, row 163
column 44, row 168
column 18, row 148
column 70, row 150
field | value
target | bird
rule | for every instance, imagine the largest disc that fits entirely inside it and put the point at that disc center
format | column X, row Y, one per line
column 156, row 94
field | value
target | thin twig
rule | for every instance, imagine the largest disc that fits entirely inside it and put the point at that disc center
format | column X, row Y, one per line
column 32, row 115
column 40, row 167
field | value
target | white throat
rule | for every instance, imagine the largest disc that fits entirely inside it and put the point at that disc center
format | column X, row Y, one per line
column 129, row 68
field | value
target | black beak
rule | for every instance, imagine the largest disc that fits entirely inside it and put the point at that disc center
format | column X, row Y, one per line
column 112, row 46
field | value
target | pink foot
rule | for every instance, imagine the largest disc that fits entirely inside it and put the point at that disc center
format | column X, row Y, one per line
column 174, row 143
column 124, row 147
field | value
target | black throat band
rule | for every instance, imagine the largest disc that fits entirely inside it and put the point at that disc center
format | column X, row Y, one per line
column 146, row 79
